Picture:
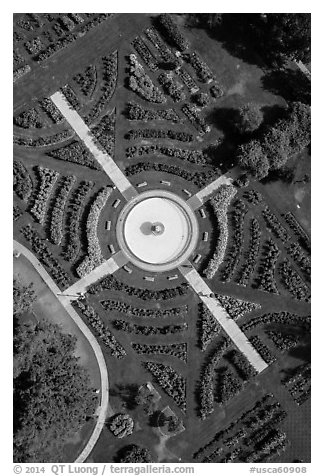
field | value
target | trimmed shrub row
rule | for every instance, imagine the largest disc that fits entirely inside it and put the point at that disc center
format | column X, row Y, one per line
column 45, row 256
column 194, row 117
column 51, row 110
column 47, row 179
column 136, row 112
column 57, row 216
column 77, row 153
column 159, row 44
column 145, row 53
column 159, row 134
column 94, row 257
column 43, row 141
column 208, row 327
column 203, row 72
column 299, row 231
column 178, row 350
column 293, row 282
column 105, row 132
column 275, row 225
column 172, row 383
column 141, row 83
column 194, row 156
column 283, row 318
column 102, row 331
column 111, row 305
column 111, row 283
column 149, row 330
column 249, row 266
column 73, row 245
column 266, row 279
column 220, row 203
column 22, row 182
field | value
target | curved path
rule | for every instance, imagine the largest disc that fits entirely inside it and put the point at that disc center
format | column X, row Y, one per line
column 65, row 302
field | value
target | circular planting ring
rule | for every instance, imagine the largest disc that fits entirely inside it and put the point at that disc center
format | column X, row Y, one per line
column 157, row 231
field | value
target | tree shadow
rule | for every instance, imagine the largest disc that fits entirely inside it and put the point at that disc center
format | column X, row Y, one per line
column 272, row 114
column 291, row 84
column 127, row 393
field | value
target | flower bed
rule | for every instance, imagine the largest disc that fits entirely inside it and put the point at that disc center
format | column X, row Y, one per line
column 45, row 256
column 121, row 425
column 142, row 84
column 198, row 178
column 171, row 86
column 94, row 257
column 194, row 117
column 172, row 32
column 57, row 217
column 47, row 179
column 29, row 119
column 293, row 282
column 220, row 203
column 73, row 245
column 77, row 153
column 194, row 156
column 101, row 330
column 234, row 254
column 178, row 350
column 119, row 306
column 266, row 279
column 251, row 259
column 22, row 182
column 170, row 381
column 87, row 81
column 111, row 283
column 131, row 328
column 145, row 53
column 159, row 134
column 109, row 77
column 136, row 112
column 51, row 110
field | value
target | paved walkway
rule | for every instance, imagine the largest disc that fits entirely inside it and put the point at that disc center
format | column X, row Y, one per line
column 104, row 159
column 228, row 324
column 108, row 267
column 197, row 200
column 65, row 301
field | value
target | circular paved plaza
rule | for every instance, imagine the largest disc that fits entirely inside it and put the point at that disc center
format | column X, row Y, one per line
column 157, row 230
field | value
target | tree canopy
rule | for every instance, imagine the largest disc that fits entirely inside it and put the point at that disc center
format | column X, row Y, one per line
column 248, row 118
column 23, row 297
column 133, row 454
column 52, row 392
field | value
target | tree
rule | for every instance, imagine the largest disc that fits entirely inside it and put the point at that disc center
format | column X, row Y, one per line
column 252, row 159
column 275, row 145
column 133, row 454
column 23, row 297
column 52, row 392
column 249, row 118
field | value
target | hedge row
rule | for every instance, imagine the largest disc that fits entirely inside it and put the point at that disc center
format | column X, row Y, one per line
column 77, row 153
column 105, row 132
column 234, row 254
column 45, row 256
column 111, row 283
column 204, row 74
column 76, row 206
column 43, row 141
column 194, row 156
column 51, row 110
column 87, row 80
column 109, row 78
column 207, row 325
column 298, row 230
column 251, row 259
column 274, row 224
column 159, row 44
column 159, row 134
column 22, row 182
column 236, row 308
column 283, row 318
column 194, row 117
column 178, row 350
column 141, row 83
column 266, row 279
column 94, row 255
column 111, row 305
column 172, row 383
column 149, row 330
column 102, row 331
column 293, row 282
column 47, row 179
column 198, row 178
column 220, row 203
column 57, row 216
column 145, row 53
column 136, row 112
